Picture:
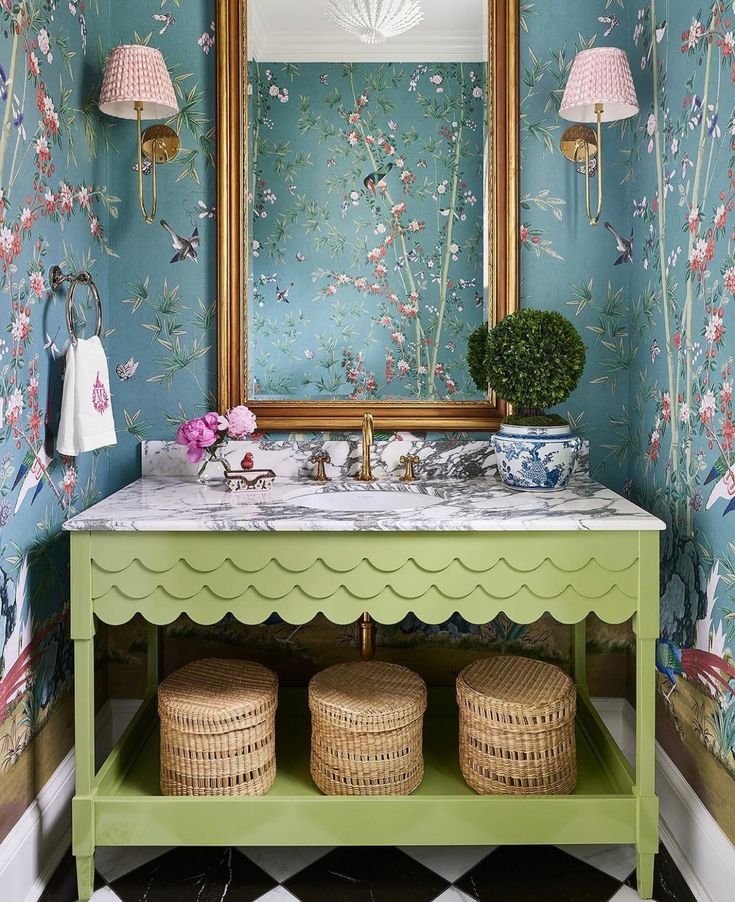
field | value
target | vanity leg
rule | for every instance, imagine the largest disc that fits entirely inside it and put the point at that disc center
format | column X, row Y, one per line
column 82, row 634
column 154, row 659
column 85, row 878
column 579, row 647
column 646, row 628
column 83, row 804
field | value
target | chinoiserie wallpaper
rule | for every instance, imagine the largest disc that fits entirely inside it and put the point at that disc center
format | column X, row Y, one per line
column 367, row 229
column 649, row 288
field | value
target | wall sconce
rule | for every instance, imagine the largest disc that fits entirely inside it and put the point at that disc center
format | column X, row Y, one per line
column 137, row 85
column 600, row 89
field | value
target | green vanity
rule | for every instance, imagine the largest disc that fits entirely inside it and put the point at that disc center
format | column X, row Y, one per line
column 165, row 546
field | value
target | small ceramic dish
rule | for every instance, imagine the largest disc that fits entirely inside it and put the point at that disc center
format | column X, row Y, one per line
column 249, row 480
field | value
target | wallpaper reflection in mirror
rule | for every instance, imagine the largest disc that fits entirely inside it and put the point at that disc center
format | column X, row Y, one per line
column 368, row 270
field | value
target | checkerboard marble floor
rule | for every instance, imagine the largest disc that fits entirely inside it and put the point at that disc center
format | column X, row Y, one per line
column 500, row 874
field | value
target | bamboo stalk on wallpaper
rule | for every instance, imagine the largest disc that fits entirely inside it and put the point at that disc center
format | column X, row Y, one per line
column 450, row 226
column 404, row 248
column 7, row 118
column 665, row 296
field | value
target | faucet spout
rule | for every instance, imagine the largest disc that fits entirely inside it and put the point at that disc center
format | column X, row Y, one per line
column 368, row 434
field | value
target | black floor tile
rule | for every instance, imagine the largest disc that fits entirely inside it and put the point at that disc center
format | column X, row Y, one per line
column 536, row 874
column 63, row 885
column 366, row 875
column 668, row 884
column 195, row 875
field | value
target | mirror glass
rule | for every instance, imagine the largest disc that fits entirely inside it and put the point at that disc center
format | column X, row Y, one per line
column 368, row 224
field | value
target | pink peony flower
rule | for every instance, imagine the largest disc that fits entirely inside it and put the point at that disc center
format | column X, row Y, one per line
column 241, row 422
column 198, row 434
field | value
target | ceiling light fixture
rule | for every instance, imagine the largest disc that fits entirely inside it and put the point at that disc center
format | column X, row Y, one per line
column 375, row 20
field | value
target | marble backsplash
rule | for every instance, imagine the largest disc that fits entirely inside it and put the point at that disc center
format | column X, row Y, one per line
column 440, row 458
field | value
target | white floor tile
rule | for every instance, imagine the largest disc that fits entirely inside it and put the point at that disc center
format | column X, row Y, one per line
column 449, row 862
column 279, row 894
column 453, row 895
column 626, row 894
column 114, row 862
column 284, row 861
column 617, row 861
column 105, row 895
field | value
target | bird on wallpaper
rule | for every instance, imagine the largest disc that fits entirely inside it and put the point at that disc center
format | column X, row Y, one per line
column 624, row 245
column 33, row 468
column 186, row 248
column 724, row 488
column 655, row 350
column 166, row 19
column 83, row 31
column 612, row 23
column 282, row 294
column 372, row 180
column 694, row 665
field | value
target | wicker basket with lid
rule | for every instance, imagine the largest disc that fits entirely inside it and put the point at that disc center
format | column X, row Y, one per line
column 367, row 729
column 218, row 729
column 516, row 727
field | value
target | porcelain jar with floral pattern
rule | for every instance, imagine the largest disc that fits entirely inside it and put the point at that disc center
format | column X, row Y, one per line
column 536, row 458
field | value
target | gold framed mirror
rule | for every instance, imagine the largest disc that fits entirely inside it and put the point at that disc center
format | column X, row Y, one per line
column 252, row 299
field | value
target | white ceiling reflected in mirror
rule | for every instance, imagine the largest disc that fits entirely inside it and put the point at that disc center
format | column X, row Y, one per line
column 299, row 31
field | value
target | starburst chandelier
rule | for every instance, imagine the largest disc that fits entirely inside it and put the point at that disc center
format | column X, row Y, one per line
column 375, row 20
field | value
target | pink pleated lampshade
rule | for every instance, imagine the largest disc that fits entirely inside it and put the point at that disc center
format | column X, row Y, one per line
column 137, row 73
column 600, row 75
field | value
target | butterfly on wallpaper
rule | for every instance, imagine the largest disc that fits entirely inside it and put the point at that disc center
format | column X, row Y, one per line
column 166, row 18
column 640, row 206
column 324, row 79
column 268, row 280
column 300, row 257
column 593, row 167
column 655, row 350
column 292, row 189
column 624, row 245
column 612, row 23
column 450, row 346
column 186, row 248
column 479, row 299
column 282, row 294
column 308, row 354
column 331, row 162
column 127, row 370
column 205, row 212
column 686, row 163
column 147, row 164
column 422, row 164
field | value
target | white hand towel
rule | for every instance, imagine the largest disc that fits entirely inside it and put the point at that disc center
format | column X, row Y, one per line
column 86, row 409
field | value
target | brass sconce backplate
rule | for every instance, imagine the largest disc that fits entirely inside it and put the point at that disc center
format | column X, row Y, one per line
column 573, row 141
column 162, row 141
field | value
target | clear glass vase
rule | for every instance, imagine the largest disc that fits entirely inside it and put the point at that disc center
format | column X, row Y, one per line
column 213, row 467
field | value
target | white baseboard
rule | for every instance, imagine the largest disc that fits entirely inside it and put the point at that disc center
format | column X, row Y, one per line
column 32, row 850
column 701, row 851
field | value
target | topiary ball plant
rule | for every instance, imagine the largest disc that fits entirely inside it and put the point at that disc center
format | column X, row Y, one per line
column 532, row 359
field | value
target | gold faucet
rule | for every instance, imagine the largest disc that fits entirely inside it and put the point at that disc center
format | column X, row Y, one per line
column 368, row 433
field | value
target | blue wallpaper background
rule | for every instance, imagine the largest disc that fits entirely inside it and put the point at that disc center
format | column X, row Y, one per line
column 656, row 397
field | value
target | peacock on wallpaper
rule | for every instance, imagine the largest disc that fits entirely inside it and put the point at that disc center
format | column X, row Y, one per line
column 367, row 229
column 651, row 289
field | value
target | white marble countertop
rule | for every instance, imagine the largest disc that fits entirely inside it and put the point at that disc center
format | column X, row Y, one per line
column 481, row 504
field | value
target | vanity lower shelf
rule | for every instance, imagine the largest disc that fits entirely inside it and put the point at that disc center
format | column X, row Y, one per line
column 130, row 810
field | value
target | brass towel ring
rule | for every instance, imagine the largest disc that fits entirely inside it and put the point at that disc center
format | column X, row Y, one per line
column 81, row 278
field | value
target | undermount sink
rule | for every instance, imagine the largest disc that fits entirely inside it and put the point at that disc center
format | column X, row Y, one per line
column 367, row 500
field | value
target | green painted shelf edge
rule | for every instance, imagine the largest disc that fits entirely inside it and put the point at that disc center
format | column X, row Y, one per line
column 130, row 810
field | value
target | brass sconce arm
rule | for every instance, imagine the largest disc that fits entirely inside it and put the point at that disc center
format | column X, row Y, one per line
column 157, row 144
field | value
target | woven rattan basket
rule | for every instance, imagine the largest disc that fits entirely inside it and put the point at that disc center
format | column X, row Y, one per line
column 516, row 727
column 367, row 729
column 218, row 729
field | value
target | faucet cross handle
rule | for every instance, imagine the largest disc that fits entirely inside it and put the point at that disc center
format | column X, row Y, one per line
column 320, row 458
column 409, row 461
